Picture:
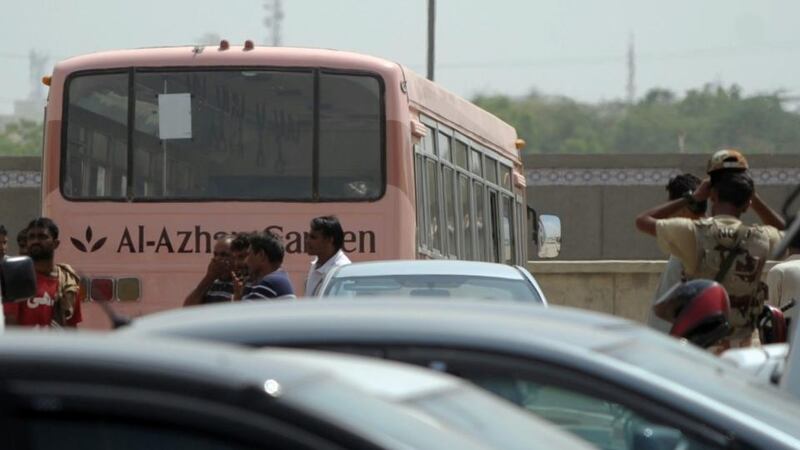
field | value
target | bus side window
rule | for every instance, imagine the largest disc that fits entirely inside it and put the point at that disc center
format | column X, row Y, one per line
column 508, row 243
column 448, row 183
column 466, row 214
column 422, row 242
column 432, row 202
column 480, row 221
column 494, row 229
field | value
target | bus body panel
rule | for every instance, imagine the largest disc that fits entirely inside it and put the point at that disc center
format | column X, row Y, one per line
column 476, row 123
column 167, row 246
column 167, row 243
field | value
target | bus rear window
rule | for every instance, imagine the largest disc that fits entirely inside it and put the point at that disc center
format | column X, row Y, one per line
column 224, row 134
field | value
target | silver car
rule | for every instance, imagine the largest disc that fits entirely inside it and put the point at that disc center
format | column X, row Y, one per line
column 610, row 381
column 433, row 278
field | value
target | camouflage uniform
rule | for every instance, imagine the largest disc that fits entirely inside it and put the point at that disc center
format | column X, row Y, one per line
column 702, row 245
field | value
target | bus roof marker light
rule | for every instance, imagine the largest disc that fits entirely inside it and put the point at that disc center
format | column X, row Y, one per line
column 520, row 144
column 519, row 180
column 46, row 80
column 224, row 45
column 248, row 45
column 418, row 129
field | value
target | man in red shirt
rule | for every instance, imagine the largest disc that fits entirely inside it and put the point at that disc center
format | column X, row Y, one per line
column 56, row 303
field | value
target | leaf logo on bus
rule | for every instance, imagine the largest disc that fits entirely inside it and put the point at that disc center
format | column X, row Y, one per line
column 83, row 247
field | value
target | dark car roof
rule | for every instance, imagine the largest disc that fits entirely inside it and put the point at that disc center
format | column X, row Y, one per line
column 386, row 388
column 222, row 373
column 217, row 364
column 631, row 355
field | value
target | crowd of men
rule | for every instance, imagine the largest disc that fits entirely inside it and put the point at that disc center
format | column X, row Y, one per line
column 247, row 266
column 244, row 267
column 720, row 246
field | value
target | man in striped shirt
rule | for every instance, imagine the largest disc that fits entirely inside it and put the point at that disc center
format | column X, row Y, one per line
column 216, row 286
column 269, row 280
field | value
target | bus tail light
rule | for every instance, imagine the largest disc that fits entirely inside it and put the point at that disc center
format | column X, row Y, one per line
column 102, row 289
column 129, row 289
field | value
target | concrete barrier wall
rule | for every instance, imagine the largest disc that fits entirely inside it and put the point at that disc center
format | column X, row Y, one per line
column 621, row 288
column 599, row 196
column 20, row 195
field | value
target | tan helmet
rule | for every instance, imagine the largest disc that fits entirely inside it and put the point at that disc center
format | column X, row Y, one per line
column 727, row 159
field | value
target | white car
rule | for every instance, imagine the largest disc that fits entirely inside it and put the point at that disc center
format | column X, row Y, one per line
column 433, row 278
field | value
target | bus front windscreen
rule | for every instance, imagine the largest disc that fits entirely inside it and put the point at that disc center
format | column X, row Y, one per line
column 290, row 135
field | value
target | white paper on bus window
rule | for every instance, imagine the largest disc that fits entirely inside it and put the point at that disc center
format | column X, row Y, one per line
column 174, row 116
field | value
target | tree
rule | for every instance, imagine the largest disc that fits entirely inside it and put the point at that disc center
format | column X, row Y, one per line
column 702, row 120
column 22, row 138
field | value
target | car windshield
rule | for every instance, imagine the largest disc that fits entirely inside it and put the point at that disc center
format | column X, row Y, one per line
column 451, row 286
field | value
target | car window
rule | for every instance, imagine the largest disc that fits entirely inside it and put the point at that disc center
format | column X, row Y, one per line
column 606, row 424
column 473, row 413
column 376, row 417
column 450, row 286
column 586, row 411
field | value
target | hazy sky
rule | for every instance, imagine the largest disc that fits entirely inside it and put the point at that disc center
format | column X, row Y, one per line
column 570, row 47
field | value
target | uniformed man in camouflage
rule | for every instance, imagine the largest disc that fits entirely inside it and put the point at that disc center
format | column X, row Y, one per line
column 721, row 247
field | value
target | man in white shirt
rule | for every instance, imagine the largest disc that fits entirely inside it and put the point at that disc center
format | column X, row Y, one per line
column 325, row 241
column 784, row 280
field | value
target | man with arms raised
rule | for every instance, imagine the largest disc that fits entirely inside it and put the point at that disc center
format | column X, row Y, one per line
column 677, row 187
column 721, row 247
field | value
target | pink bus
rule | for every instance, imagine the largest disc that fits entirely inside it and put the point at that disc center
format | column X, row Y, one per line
column 151, row 154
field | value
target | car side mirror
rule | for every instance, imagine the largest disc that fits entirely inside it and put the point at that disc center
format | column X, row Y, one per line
column 17, row 278
column 548, row 238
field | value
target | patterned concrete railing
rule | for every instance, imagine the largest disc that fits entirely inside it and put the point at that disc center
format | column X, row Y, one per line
column 622, row 288
column 642, row 176
column 20, row 179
